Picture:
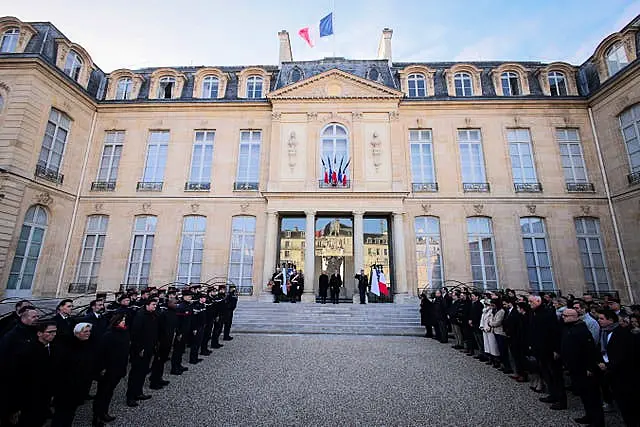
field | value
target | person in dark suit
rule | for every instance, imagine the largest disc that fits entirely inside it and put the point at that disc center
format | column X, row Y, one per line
column 440, row 315
column 277, row 282
column 112, row 361
column 619, row 364
column 335, row 283
column 63, row 320
column 513, row 326
column 144, row 337
column 232, row 303
column 323, row 287
column 184, row 313
column 167, row 322
column 363, row 282
column 9, row 322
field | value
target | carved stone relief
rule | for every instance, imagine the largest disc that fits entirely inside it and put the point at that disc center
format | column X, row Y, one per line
column 292, row 150
column 244, row 207
column 586, row 210
column 531, row 209
column 426, row 208
column 146, row 207
column 195, row 207
column 44, row 198
column 478, row 209
column 376, row 150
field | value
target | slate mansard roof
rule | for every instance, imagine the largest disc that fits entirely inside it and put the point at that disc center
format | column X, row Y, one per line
column 43, row 45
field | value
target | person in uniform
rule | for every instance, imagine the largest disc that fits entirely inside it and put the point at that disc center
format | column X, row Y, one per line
column 220, row 305
column 208, row 327
column 231, row 304
column 167, row 322
column 144, row 337
column 363, row 282
column 278, row 281
column 197, row 328
column 335, row 283
column 323, row 287
column 184, row 312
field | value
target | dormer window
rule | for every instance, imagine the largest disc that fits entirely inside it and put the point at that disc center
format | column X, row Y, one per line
column 123, row 90
column 165, row 87
column 374, row 74
column 254, row 87
column 616, row 58
column 463, row 84
column 73, row 65
column 295, row 75
column 417, row 86
column 510, row 84
column 557, row 84
column 9, row 40
column 210, row 85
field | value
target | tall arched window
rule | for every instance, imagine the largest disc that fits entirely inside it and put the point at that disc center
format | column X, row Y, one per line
column 30, row 244
column 594, row 263
column 334, row 155
column 123, row 90
column 144, row 230
column 428, row 251
column 510, row 84
column 616, row 58
column 243, row 236
column 463, row 84
column 417, row 85
column 92, row 247
column 73, row 65
column 630, row 126
column 295, row 75
column 165, row 87
column 482, row 252
column 254, row 87
column 9, row 40
column 210, row 86
column 557, row 84
column 191, row 249
column 537, row 254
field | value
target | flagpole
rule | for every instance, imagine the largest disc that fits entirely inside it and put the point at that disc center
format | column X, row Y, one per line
column 333, row 9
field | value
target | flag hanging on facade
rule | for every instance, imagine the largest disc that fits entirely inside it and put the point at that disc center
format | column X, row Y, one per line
column 311, row 33
column 375, row 289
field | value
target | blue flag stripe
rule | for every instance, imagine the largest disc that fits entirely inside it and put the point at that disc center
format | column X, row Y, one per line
column 326, row 25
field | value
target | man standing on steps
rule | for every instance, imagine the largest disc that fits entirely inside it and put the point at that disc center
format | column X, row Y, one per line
column 335, row 283
column 232, row 303
column 363, row 282
column 323, row 286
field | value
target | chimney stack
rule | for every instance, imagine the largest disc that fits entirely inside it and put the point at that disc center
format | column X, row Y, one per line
column 285, row 47
column 384, row 48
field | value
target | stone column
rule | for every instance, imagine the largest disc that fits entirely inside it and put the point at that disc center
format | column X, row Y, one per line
column 270, row 247
column 401, row 294
column 358, row 247
column 309, row 294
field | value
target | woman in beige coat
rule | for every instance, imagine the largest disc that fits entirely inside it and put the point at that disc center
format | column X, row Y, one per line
column 490, row 344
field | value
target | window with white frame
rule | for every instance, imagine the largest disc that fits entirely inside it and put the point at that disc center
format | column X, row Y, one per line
column 156, row 156
column 92, row 247
column 30, row 242
column 166, row 86
column 557, row 83
column 471, row 157
column 571, row 156
column 521, row 154
column 616, row 58
column 243, row 235
column 428, row 251
column 248, row 174
column 482, row 252
column 254, row 87
column 417, row 85
column 334, row 151
column 139, row 265
column 1, row 103
column 55, row 140
column 295, row 75
column 9, row 41
column 191, row 249
column 123, row 90
column 594, row 264
column 110, row 160
column 73, row 65
column 630, row 125
column 510, row 83
column 537, row 254
column 210, row 85
column 420, row 145
column 463, row 84
column 202, row 157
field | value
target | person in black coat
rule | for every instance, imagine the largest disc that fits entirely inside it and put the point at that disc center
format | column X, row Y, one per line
column 144, row 338
column 545, row 335
column 277, row 282
column 221, row 308
column 210, row 311
column 363, row 282
column 112, row 361
column 335, row 283
column 37, row 376
column 426, row 314
column 475, row 316
column 9, row 322
column 198, row 323
column 580, row 358
column 231, row 304
column 63, row 320
column 74, row 368
column 323, row 287
column 167, row 322
column 440, row 315
column 513, row 325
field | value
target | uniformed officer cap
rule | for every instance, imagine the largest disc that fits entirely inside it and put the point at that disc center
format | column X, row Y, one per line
column 202, row 295
column 123, row 296
column 187, row 292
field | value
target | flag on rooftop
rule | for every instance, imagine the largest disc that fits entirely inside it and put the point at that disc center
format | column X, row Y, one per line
column 312, row 33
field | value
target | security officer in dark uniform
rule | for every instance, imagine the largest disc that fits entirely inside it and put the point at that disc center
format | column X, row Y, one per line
column 231, row 304
column 208, row 327
column 220, row 304
column 167, row 322
column 197, row 328
column 184, row 312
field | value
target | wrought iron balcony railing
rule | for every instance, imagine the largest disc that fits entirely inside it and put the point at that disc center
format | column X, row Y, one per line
column 343, row 184
column 580, row 187
column 197, row 186
column 82, row 288
column 149, row 186
column 49, row 174
column 527, row 187
column 475, row 187
column 634, row 178
column 103, row 185
column 424, row 187
column 245, row 186
column 124, row 287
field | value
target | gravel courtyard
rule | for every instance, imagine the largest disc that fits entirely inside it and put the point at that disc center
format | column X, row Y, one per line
column 314, row 380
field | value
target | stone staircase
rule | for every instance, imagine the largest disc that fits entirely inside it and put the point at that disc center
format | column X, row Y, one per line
column 340, row 319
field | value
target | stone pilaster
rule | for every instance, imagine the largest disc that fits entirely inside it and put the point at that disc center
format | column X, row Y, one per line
column 270, row 248
column 401, row 293
column 358, row 246
column 309, row 257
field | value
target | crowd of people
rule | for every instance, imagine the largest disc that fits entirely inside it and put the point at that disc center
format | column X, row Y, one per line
column 590, row 347
column 50, row 364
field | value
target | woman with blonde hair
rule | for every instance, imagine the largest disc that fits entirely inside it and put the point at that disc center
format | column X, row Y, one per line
column 489, row 338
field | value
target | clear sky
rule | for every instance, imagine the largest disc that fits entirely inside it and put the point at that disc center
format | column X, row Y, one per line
column 144, row 33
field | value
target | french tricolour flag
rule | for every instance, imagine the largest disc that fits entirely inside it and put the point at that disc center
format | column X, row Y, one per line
column 311, row 33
